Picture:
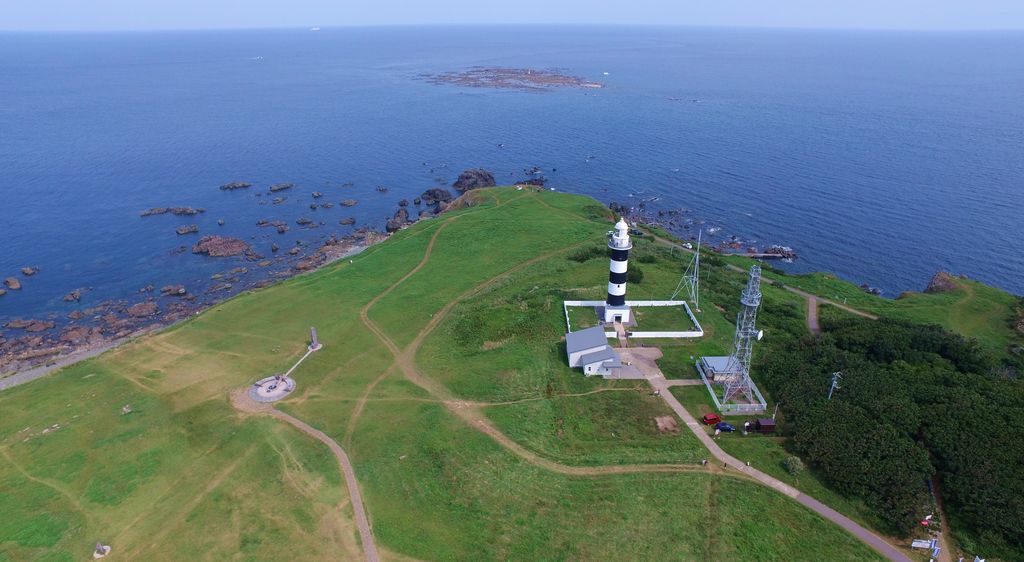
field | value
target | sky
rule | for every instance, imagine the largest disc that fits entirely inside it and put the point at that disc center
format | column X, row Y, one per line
column 137, row 15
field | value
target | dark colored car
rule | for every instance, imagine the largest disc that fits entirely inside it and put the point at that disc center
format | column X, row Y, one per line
column 725, row 426
column 711, row 419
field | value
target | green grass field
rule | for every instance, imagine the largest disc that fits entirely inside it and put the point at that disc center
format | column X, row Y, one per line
column 767, row 453
column 581, row 317
column 662, row 319
column 185, row 472
column 972, row 309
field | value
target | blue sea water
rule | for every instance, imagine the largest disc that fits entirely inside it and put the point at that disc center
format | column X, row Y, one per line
column 881, row 156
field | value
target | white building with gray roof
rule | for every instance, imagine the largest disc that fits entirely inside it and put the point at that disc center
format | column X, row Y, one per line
column 589, row 350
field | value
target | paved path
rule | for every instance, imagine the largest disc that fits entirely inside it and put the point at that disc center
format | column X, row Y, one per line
column 241, row 400
column 683, row 382
column 21, row 377
column 873, row 540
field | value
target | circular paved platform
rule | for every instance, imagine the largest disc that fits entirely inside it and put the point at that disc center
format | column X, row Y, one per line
column 272, row 389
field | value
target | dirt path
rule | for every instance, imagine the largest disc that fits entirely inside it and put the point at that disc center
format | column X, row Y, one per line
column 812, row 314
column 405, row 360
column 804, row 294
column 241, row 400
column 181, row 513
column 873, row 540
column 830, row 302
column 467, row 410
column 945, row 554
column 56, row 487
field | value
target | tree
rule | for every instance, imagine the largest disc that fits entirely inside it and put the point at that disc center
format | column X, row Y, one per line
column 793, row 465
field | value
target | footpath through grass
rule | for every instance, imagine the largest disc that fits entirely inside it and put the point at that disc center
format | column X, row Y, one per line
column 185, row 472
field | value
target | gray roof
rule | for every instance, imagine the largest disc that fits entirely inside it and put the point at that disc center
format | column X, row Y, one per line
column 585, row 339
column 606, row 356
column 719, row 364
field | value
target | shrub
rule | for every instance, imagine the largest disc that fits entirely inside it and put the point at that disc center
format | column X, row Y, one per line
column 585, row 254
column 793, row 465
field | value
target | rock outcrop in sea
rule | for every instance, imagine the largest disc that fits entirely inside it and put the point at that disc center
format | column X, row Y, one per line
column 436, row 195
column 29, row 325
column 236, row 185
column 220, row 246
column 180, row 211
column 13, row 283
column 942, row 282
column 173, row 291
column 474, row 178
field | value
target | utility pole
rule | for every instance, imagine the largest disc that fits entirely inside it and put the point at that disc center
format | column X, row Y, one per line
column 836, row 376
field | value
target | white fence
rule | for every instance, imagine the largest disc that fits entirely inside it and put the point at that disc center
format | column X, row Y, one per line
column 697, row 333
column 760, row 406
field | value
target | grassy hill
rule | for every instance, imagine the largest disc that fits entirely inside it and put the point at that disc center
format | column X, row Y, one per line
column 470, row 437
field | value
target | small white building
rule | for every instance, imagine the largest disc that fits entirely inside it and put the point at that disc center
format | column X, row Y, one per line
column 589, row 350
column 719, row 368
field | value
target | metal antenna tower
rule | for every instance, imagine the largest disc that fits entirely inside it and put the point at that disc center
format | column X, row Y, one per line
column 835, row 383
column 743, row 346
column 691, row 278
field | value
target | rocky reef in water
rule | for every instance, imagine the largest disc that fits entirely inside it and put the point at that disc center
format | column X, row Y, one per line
column 475, row 178
column 520, row 79
column 220, row 246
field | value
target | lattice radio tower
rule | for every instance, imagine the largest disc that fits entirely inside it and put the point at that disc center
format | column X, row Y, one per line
column 746, row 333
column 691, row 278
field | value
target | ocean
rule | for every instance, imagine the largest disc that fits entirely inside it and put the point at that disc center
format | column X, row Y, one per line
column 881, row 156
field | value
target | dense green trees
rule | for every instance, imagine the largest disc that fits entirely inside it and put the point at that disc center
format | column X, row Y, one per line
column 914, row 401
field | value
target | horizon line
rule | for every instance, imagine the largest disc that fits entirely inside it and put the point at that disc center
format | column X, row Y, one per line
column 328, row 27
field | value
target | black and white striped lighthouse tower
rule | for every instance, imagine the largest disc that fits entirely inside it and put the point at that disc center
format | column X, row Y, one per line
column 615, row 309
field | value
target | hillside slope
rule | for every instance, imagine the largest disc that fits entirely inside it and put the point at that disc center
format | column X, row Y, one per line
column 580, row 473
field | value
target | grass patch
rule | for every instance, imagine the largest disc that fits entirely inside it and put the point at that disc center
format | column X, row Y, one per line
column 662, row 319
column 581, row 317
column 615, row 426
column 185, row 472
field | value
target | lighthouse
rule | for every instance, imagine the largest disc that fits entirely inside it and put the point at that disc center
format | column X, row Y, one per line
column 615, row 309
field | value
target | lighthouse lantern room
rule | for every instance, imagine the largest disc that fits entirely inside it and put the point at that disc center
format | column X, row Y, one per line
column 615, row 309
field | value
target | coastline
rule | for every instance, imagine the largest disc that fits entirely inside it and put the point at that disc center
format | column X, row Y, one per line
column 60, row 355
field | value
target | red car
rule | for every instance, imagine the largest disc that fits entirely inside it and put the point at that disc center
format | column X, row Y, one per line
column 711, row 419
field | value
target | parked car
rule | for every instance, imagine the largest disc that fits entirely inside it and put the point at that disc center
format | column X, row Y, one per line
column 725, row 426
column 711, row 419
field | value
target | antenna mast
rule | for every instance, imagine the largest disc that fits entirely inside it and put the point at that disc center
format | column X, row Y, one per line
column 691, row 278
column 835, row 383
column 743, row 346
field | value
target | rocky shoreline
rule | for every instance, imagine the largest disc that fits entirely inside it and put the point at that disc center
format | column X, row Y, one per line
column 31, row 343
column 676, row 222
column 26, row 343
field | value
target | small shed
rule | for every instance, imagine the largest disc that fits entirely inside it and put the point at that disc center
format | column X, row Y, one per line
column 589, row 350
column 765, row 425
